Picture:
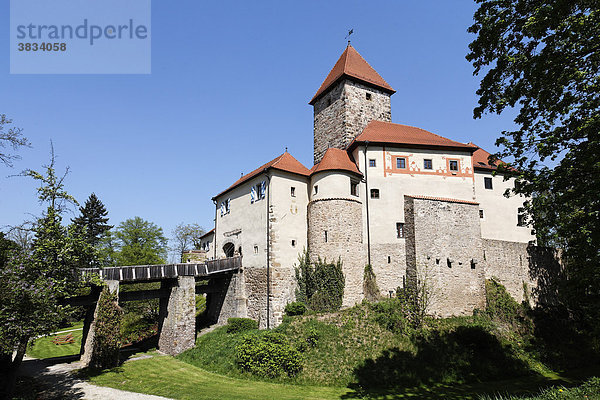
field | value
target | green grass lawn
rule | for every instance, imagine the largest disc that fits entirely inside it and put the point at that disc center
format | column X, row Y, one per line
column 44, row 348
column 169, row 377
column 166, row 376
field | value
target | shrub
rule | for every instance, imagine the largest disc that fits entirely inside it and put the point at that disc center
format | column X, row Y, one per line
column 370, row 288
column 107, row 341
column 312, row 336
column 390, row 314
column 135, row 328
column 268, row 354
column 295, row 308
column 320, row 284
column 500, row 304
column 235, row 325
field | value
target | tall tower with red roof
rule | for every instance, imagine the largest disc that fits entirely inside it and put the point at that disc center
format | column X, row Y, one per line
column 352, row 95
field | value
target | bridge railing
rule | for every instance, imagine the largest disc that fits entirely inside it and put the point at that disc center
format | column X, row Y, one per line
column 164, row 271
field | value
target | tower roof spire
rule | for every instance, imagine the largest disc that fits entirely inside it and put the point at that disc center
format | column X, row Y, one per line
column 352, row 65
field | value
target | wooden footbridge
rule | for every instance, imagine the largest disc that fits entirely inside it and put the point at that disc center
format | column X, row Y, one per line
column 177, row 310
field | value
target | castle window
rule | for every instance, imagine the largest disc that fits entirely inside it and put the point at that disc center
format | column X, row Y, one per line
column 521, row 218
column 293, row 191
column 368, row 96
column 487, row 182
column 427, row 164
column 453, row 165
column 389, row 260
column 325, row 236
column 400, row 230
column 255, row 249
column 372, row 162
column 401, row 163
column 316, row 189
column 374, row 193
column 293, row 243
column 257, row 192
column 225, row 207
column 480, row 213
column 354, row 188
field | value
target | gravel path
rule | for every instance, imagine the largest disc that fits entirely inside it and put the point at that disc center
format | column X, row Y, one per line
column 62, row 384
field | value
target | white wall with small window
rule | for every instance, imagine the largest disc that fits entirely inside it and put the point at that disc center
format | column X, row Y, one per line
column 404, row 171
column 499, row 216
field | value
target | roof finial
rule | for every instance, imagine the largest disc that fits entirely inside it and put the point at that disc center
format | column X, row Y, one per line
column 350, row 32
column 286, row 149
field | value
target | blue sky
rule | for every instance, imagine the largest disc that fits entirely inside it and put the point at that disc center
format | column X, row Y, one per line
column 229, row 90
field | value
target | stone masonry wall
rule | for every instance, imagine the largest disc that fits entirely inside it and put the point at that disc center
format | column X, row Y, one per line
column 230, row 299
column 283, row 275
column 342, row 219
column 509, row 263
column 389, row 275
column 444, row 250
column 256, row 294
column 343, row 112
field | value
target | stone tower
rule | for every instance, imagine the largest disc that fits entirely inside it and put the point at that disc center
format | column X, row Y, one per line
column 352, row 95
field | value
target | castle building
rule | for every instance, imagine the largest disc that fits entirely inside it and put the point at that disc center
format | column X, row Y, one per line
column 407, row 201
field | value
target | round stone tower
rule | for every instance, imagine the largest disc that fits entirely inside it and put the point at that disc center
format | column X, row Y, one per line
column 335, row 219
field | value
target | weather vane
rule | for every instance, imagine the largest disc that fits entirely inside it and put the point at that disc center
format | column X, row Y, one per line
column 350, row 32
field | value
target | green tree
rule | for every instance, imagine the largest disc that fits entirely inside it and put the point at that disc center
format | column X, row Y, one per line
column 93, row 220
column 92, row 223
column 7, row 246
column 139, row 242
column 32, row 282
column 542, row 58
column 13, row 137
column 186, row 237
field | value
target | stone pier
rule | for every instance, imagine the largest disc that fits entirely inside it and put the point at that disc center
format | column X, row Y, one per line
column 89, row 326
column 177, row 329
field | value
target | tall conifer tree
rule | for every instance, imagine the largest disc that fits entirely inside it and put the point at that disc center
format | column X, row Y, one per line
column 94, row 219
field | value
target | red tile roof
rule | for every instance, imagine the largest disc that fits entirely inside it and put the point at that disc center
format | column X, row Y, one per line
column 284, row 162
column 389, row 133
column 480, row 160
column 335, row 159
column 211, row 232
column 443, row 199
column 351, row 64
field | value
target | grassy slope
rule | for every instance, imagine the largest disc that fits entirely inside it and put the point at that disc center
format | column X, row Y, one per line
column 44, row 348
column 353, row 347
column 166, row 376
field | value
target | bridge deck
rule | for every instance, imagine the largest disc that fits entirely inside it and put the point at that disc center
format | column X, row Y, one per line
column 165, row 271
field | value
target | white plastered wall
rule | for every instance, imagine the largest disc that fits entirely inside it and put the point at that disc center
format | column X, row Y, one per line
column 386, row 211
column 499, row 220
